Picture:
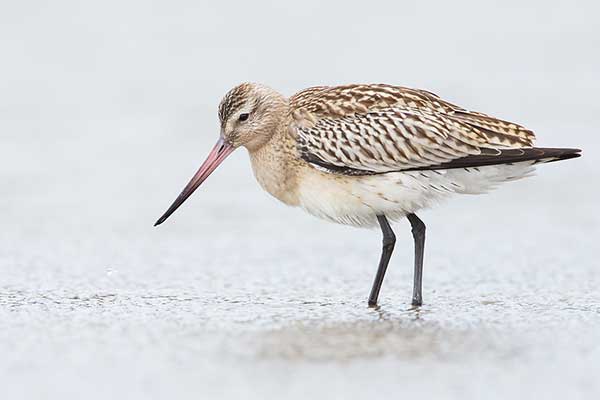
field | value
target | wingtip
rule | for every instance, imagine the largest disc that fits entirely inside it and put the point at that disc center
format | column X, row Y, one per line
column 571, row 153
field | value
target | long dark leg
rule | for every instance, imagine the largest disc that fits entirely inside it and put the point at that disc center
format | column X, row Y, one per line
column 418, row 231
column 389, row 239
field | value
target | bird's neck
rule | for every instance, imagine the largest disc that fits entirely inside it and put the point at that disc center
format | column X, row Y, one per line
column 274, row 166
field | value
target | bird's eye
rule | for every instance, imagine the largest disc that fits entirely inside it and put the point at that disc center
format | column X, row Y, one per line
column 244, row 116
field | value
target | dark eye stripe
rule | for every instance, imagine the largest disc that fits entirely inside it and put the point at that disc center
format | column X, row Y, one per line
column 244, row 116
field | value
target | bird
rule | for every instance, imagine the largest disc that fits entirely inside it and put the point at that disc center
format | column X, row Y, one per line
column 367, row 154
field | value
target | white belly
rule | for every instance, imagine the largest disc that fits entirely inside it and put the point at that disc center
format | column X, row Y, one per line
column 357, row 200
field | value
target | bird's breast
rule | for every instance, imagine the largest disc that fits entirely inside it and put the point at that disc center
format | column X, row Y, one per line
column 276, row 172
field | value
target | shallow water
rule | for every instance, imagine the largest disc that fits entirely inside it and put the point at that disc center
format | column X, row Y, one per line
column 273, row 303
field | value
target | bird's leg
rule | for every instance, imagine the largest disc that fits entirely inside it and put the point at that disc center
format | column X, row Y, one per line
column 389, row 239
column 418, row 231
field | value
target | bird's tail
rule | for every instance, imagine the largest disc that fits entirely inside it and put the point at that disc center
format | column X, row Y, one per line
column 508, row 165
column 510, row 156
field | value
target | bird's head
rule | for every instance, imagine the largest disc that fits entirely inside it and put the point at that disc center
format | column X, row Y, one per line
column 249, row 115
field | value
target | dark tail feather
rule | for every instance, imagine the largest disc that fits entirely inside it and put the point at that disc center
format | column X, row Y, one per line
column 508, row 156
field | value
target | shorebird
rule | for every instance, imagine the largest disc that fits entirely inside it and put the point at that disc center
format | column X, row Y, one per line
column 365, row 154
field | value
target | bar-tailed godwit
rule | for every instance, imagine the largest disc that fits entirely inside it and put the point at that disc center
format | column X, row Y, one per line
column 362, row 155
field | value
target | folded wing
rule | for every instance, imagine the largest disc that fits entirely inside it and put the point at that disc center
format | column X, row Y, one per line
column 366, row 129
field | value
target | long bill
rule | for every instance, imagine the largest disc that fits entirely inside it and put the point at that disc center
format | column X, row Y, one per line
column 216, row 156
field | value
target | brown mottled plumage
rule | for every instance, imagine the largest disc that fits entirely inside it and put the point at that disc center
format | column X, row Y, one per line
column 383, row 128
column 360, row 154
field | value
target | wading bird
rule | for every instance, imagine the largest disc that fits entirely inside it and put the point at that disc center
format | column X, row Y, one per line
column 362, row 155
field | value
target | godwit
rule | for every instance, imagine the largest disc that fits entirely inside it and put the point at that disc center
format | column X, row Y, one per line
column 365, row 154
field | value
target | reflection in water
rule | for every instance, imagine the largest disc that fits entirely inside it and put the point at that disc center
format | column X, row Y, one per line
column 414, row 313
column 249, row 326
column 379, row 332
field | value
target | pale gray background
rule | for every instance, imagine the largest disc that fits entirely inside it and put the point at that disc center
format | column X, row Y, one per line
column 107, row 108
